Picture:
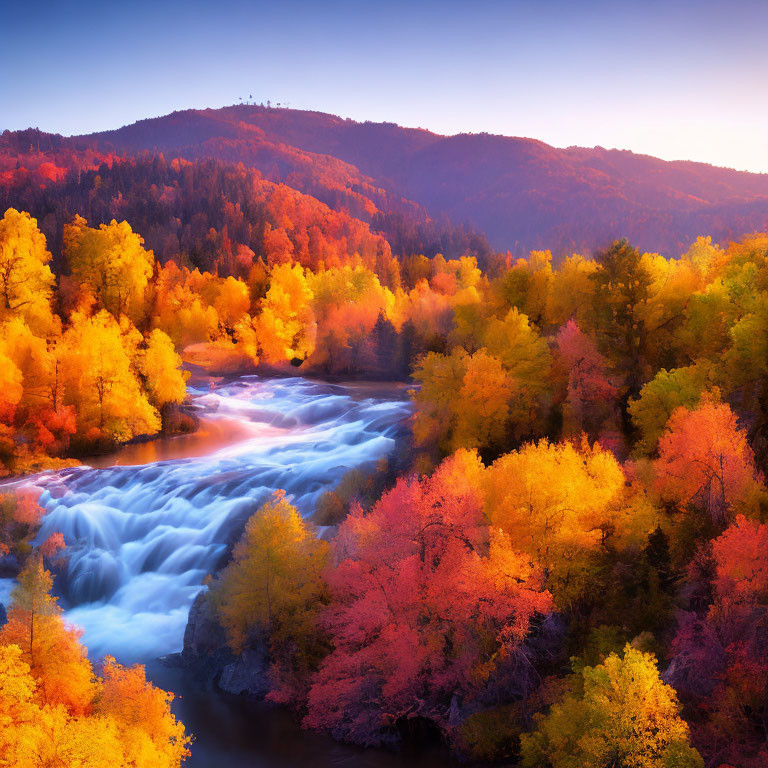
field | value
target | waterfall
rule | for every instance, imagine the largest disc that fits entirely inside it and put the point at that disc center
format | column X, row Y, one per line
column 141, row 539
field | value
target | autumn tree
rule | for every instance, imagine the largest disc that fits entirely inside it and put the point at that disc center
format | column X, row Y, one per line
column 705, row 461
column 720, row 651
column 26, row 280
column 55, row 712
column 622, row 292
column 572, row 291
column 526, row 357
column 562, row 504
column 273, row 589
column 428, row 609
column 150, row 735
column 161, row 367
column 662, row 396
column 100, row 381
column 285, row 326
column 111, row 263
column 618, row 713
column 232, row 302
column 590, row 394
column 49, row 647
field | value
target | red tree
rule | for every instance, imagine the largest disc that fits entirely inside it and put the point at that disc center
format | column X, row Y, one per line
column 427, row 610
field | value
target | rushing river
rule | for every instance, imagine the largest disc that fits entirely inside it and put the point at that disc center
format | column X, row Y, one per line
column 145, row 526
column 143, row 533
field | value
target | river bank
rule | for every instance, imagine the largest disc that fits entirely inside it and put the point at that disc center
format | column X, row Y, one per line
column 145, row 528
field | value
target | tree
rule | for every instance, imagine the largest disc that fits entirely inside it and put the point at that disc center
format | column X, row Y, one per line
column 232, row 302
column 526, row 357
column 660, row 397
column 561, row 504
column 101, row 382
column 590, row 394
column 482, row 408
column 720, row 660
column 54, row 712
column 55, row 657
column 620, row 713
column 572, row 291
column 111, row 263
column 705, row 460
column 273, row 589
column 150, row 734
column 285, row 326
column 26, row 280
column 428, row 609
column 441, row 378
column 623, row 290
column 161, row 366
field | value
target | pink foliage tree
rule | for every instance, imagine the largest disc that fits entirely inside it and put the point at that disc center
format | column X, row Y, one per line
column 428, row 606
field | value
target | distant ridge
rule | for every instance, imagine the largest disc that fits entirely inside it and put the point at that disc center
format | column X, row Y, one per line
column 522, row 193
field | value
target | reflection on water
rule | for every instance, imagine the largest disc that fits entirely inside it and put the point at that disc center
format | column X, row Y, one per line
column 214, row 433
column 231, row 732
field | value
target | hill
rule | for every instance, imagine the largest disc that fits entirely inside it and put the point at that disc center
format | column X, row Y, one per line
column 521, row 193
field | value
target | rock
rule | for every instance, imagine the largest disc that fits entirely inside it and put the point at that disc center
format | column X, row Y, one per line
column 247, row 675
column 209, row 660
column 205, row 652
column 203, row 634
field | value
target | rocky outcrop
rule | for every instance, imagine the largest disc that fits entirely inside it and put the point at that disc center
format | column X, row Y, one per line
column 248, row 675
column 205, row 652
column 210, row 661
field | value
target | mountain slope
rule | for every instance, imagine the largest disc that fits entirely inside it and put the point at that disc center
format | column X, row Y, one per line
column 520, row 192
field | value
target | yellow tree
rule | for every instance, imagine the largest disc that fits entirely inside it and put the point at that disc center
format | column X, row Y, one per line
column 35, row 734
column 482, row 406
column 274, row 574
column 285, row 326
column 161, row 366
column 111, row 263
column 559, row 503
column 150, row 734
column 526, row 357
column 620, row 713
column 54, row 713
column 440, row 378
column 571, row 291
column 51, row 649
column 26, row 280
column 101, row 382
column 232, row 302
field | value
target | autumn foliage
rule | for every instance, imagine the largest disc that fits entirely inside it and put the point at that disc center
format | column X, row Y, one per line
column 430, row 608
column 54, row 709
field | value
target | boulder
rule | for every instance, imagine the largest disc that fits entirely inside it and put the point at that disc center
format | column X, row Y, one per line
column 209, row 660
column 205, row 652
column 248, row 675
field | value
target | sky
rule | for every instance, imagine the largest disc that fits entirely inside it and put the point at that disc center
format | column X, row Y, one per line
column 676, row 79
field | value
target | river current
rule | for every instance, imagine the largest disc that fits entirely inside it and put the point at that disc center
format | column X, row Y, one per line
column 145, row 526
column 142, row 537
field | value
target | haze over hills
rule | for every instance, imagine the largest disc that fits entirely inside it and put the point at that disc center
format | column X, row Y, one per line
column 521, row 193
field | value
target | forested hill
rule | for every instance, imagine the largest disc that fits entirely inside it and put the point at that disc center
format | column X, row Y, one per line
column 521, row 193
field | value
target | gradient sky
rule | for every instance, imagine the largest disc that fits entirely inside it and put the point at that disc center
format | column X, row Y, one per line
column 675, row 79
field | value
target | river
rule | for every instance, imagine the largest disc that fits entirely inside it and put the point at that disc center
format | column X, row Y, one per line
column 146, row 525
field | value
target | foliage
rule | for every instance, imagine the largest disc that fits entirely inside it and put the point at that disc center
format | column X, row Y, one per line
column 620, row 713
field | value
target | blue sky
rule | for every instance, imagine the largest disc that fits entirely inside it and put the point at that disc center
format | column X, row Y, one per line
column 676, row 79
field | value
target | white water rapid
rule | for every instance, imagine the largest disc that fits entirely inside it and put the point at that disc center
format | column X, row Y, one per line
column 140, row 539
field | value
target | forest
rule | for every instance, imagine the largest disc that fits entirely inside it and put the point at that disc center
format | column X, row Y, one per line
column 567, row 565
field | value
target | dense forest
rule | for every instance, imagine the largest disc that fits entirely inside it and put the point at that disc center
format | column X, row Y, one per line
column 567, row 564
